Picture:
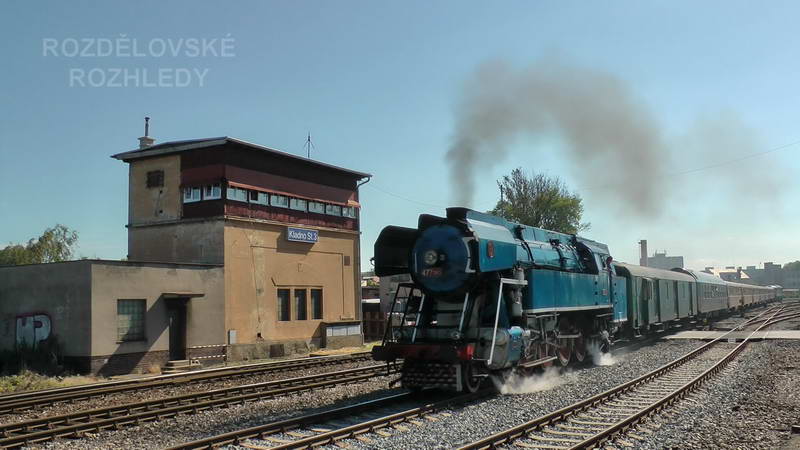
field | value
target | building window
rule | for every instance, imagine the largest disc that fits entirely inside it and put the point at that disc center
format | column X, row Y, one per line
column 130, row 320
column 258, row 198
column 316, row 303
column 280, row 201
column 316, row 207
column 349, row 211
column 155, row 178
column 238, row 194
column 298, row 204
column 191, row 194
column 333, row 210
column 300, row 304
column 212, row 191
column 283, row 305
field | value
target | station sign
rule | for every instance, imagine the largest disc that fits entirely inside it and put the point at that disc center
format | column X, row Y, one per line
column 301, row 235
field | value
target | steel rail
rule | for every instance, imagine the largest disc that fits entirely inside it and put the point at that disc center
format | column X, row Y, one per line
column 281, row 426
column 509, row 435
column 331, row 437
column 74, row 424
column 667, row 400
column 21, row 402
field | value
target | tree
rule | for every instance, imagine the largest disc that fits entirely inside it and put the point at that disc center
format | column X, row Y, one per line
column 55, row 244
column 792, row 266
column 539, row 201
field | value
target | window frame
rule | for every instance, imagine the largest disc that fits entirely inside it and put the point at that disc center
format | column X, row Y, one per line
column 351, row 210
column 141, row 336
column 315, row 306
column 296, row 202
column 235, row 190
column 192, row 190
column 298, row 303
column 331, row 207
column 275, row 200
column 154, row 178
column 215, row 189
column 281, row 311
column 315, row 204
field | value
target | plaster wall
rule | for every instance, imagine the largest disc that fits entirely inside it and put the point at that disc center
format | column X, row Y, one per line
column 59, row 291
column 259, row 260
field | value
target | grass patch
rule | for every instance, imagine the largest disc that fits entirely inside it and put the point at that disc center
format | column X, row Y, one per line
column 27, row 380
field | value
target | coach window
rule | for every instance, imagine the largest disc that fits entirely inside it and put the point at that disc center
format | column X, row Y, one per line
column 130, row 320
column 283, row 305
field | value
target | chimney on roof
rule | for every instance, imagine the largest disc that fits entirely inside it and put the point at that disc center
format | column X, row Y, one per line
column 146, row 141
column 643, row 253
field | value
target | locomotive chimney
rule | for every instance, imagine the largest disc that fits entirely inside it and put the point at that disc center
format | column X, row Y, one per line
column 643, row 253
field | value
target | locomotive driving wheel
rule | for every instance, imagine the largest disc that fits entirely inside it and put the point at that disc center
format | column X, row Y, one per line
column 469, row 381
column 579, row 349
column 564, row 351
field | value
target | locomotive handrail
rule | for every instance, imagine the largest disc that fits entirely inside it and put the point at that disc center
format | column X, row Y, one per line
column 497, row 313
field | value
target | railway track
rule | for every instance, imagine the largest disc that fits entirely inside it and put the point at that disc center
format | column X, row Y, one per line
column 599, row 419
column 333, row 426
column 15, row 403
column 76, row 424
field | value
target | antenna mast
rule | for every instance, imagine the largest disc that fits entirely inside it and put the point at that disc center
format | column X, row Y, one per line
column 309, row 145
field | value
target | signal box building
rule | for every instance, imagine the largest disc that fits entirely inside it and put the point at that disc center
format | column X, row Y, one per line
column 234, row 250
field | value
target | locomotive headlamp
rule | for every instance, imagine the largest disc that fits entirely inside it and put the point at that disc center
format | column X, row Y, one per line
column 430, row 257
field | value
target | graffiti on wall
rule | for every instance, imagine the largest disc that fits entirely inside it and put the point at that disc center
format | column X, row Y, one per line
column 32, row 329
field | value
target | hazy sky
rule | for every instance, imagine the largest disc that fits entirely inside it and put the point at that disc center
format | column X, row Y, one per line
column 383, row 88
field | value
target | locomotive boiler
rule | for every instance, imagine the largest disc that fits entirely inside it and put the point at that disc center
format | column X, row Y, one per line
column 488, row 295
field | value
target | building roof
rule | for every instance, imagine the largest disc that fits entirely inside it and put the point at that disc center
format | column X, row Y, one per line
column 651, row 272
column 702, row 277
column 166, row 148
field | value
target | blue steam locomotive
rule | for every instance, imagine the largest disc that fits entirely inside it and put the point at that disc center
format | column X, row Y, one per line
column 488, row 295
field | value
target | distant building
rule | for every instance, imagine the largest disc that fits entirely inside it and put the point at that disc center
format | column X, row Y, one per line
column 662, row 261
column 774, row 274
column 658, row 260
column 389, row 288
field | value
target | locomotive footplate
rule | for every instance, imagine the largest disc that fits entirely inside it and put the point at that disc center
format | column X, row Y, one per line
column 431, row 375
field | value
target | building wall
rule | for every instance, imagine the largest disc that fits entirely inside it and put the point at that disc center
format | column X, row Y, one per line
column 112, row 281
column 61, row 292
column 259, row 260
column 195, row 241
column 159, row 204
column 661, row 261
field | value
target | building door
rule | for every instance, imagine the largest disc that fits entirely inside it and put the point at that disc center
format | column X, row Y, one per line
column 176, row 313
